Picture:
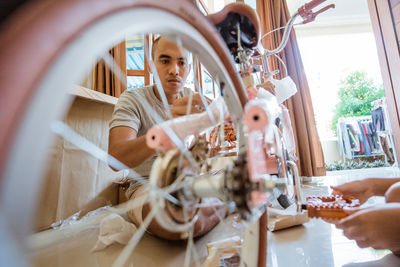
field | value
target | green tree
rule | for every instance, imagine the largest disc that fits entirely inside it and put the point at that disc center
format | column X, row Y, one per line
column 356, row 93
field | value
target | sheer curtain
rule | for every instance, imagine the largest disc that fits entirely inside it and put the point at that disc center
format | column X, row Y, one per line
column 104, row 80
column 275, row 14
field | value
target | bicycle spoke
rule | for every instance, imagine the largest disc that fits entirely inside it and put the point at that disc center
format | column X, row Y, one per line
column 189, row 105
column 189, row 242
column 157, row 80
column 199, row 90
column 128, row 249
column 63, row 130
column 195, row 255
column 46, row 239
column 222, row 128
column 222, row 220
column 190, row 248
column 178, row 42
column 188, row 111
column 113, row 66
column 246, row 226
column 82, row 143
column 206, row 205
column 220, row 133
column 171, row 134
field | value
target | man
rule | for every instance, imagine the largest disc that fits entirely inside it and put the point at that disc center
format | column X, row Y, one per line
column 131, row 120
column 376, row 226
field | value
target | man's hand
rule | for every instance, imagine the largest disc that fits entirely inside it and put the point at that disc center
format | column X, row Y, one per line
column 179, row 106
column 251, row 92
column 267, row 85
column 362, row 189
column 376, row 227
column 209, row 217
column 393, row 193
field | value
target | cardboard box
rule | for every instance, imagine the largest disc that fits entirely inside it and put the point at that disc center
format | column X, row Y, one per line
column 76, row 181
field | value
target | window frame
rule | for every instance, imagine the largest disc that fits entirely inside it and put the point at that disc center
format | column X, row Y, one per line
column 145, row 72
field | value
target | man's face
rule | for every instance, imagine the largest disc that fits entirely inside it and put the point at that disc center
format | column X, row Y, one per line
column 172, row 66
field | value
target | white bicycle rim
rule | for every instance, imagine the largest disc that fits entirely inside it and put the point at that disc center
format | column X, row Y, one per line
column 34, row 137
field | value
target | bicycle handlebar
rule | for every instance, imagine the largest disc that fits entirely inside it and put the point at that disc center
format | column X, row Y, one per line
column 310, row 5
column 307, row 14
column 312, row 16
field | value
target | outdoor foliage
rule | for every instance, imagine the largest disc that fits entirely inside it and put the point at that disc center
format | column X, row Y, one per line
column 356, row 94
column 355, row 164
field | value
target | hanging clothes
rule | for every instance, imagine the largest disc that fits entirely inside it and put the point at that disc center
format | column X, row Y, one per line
column 378, row 118
column 368, row 136
column 366, row 147
column 373, row 138
column 344, row 140
column 383, row 132
column 357, row 137
column 354, row 141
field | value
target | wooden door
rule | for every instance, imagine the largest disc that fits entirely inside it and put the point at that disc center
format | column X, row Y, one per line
column 385, row 18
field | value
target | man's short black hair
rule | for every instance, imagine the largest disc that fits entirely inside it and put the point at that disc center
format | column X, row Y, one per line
column 153, row 48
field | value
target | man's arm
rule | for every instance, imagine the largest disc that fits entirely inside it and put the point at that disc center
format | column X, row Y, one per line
column 366, row 188
column 124, row 146
column 376, row 226
column 205, row 223
column 393, row 193
column 179, row 106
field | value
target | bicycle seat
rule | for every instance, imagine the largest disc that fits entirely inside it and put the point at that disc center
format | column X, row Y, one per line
column 227, row 21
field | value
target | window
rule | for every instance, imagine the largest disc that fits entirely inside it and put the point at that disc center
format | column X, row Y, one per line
column 135, row 82
column 136, row 69
column 207, row 82
column 190, row 79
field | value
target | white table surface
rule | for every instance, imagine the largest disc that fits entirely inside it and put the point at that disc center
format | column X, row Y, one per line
column 317, row 243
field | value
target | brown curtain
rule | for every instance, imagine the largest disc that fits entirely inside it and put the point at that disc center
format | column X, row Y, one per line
column 274, row 14
column 104, row 80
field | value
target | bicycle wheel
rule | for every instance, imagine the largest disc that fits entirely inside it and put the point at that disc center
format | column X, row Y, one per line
column 64, row 38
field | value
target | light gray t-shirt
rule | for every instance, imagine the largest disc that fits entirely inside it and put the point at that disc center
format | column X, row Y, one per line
column 134, row 109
